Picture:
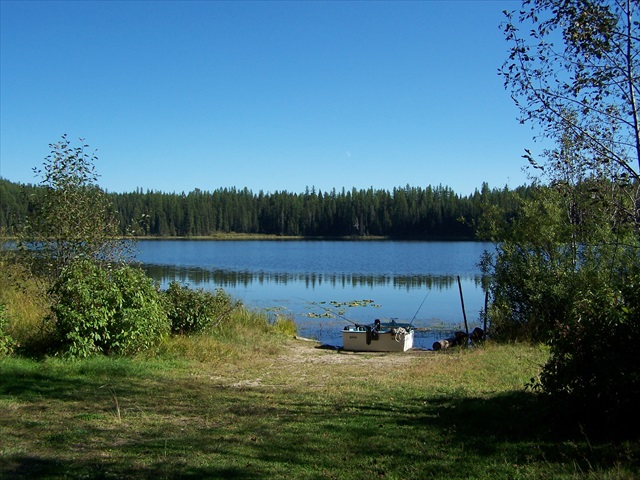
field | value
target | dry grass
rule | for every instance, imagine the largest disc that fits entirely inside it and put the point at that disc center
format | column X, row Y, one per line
column 27, row 305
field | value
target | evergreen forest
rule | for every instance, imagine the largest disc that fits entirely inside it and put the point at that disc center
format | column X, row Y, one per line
column 404, row 212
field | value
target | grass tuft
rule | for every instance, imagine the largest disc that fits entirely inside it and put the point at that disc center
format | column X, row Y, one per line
column 26, row 304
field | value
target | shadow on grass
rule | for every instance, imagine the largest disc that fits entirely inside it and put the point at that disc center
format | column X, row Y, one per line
column 32, row 379
column 187, row 429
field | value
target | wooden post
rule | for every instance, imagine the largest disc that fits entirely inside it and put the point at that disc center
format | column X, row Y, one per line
column 464, row 313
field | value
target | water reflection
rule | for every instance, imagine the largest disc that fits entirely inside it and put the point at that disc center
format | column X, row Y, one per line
column 432, row 302
column 201, row 277
column 411, row 281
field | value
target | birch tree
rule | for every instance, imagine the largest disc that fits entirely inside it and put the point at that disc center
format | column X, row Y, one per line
column 573, row 72
column 570, row 272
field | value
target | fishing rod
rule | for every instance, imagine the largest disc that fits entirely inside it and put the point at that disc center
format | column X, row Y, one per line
column 423, row 300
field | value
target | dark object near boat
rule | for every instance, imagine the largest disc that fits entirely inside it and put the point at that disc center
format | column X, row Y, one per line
column 459, row 338
column 477, row 335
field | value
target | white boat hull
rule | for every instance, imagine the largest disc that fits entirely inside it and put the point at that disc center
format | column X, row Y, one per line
column 354, row 339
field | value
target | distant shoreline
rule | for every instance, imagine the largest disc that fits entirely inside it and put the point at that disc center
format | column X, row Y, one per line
column 273, row 237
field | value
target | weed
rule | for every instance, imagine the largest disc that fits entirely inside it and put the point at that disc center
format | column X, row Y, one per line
column 26, row 306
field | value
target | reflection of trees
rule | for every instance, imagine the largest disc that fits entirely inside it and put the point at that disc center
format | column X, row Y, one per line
column 201, row 277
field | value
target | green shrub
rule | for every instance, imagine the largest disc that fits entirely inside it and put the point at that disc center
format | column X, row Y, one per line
column 530, row 292
column 594, row 368
column 6, row 341
column 102, row 310
column 574, row 287
column 192, row 311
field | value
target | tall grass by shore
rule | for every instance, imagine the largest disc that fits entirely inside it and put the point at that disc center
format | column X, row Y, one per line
column 26, row 306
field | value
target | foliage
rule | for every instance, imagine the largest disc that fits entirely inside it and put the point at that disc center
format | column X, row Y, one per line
column 403, row 212
column 545, row 260
column 600, row 332
column 14, row 205
column 69, row 217
column 568, row 271
column 575, row 74
column 573, row 285
column 192, row 311
column 431, row 212
column 6, row 342
column 103, row 310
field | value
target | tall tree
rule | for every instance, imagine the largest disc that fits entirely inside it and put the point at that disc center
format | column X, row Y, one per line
column 569, row 272
column 71, row 217
column 574, row 73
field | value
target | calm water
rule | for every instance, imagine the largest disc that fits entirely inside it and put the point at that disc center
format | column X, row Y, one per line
column 316, row 281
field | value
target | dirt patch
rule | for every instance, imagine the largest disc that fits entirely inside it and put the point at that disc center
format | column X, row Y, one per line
column 309, row 351
column 302, row 362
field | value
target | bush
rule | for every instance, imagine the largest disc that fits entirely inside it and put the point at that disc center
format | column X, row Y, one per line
column 102, row 310
column 6, row 341
column 574, row 287
column 530, row 293
column 594, row 367
column 192, row 311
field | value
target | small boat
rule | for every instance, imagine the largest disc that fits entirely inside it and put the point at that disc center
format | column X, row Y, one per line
column 379, row 337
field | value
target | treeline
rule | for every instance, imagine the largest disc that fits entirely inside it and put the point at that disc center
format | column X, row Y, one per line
column 407, row 212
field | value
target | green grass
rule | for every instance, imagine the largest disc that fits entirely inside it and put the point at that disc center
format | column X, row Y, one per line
column 284, row 409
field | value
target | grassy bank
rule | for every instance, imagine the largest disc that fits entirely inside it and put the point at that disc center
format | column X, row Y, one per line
column 284, row 409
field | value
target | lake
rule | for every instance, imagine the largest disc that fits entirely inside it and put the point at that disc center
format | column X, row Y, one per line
column 325, row 284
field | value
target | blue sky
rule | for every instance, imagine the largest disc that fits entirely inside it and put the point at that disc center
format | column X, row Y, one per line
column 265, row 95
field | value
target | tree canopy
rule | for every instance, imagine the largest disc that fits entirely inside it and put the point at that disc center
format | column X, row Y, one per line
column 573, row 72
column 69, row 217
column 404, row 212
column 568, row 272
